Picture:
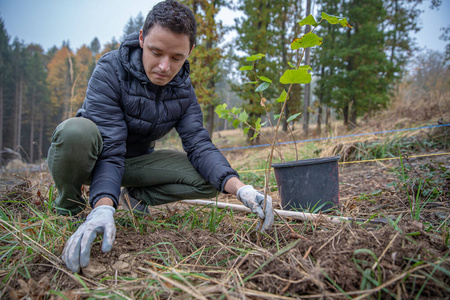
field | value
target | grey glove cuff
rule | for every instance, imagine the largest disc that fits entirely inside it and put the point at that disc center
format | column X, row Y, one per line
column 101, row 208
column 241, row 190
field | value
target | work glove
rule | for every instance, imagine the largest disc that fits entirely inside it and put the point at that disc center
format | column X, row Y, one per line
column 77, row 250
column 254, row 200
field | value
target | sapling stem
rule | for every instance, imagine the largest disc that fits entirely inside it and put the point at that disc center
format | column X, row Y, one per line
column 272, row 147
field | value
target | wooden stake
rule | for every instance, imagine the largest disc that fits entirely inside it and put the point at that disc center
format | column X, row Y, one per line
column 284, row 213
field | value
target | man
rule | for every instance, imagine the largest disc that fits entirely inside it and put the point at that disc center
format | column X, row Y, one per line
column 135, row 96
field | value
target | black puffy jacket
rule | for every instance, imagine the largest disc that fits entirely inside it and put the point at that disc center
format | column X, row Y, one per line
column 132, row 113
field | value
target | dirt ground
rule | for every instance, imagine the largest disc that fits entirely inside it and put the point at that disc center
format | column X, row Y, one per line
column 305, row 264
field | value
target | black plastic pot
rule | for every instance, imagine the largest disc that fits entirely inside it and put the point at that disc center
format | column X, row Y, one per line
column 309, row 183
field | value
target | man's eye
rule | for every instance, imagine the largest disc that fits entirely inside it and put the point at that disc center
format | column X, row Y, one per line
column 176, row 59
column 156, row 53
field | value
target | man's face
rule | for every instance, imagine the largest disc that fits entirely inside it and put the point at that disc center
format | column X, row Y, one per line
column 164, row 53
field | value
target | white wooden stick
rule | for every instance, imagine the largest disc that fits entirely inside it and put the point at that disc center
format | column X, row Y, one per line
column 284, row 213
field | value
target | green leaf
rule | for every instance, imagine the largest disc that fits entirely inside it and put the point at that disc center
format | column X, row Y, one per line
column 292, row 65
column 254, row 135
column 276, row 116
column 243, row 116
column 255, row 57
column 221, row 111
column 293, row 117
column 296, row 76
column 263, row 78
column 307, row 67
column 263, row 86
column 236, row 110
column 258, row 124
column 251, row 82
column 335, row 20
column 220, row 108
column 236, row 123
column 308, row 40
column 282, row 97
column 246, row 68
column 309, row 20
column 246, row 129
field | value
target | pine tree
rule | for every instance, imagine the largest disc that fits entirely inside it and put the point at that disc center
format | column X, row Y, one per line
column 37, row 101
column 400, row 21
column 206, row 56
column 267, row 27
column 133, row 25
column 19, row 62
column 359, row 66
column 95, row 46
column 357, row 73
column 5, row 52
column 112, row 45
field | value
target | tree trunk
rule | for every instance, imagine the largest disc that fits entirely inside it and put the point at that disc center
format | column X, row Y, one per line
column 1, row 116
column 345, row 115
column 16, row 109
column 32, row 117
column 394, row 32
column 352, row 118
column 328, row 118
column 319, row 119
column 210, row 120
column 19, row 113
column 319, row 113
column 307, row 86
column 41, row 137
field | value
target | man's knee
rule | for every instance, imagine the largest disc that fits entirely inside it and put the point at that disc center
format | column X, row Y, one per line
column 77, row 131
column 208, row 190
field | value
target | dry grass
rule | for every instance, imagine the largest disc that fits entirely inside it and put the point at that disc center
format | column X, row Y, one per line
column 186, row 252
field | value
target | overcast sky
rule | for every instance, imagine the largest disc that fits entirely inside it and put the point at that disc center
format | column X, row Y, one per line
column 50, row 22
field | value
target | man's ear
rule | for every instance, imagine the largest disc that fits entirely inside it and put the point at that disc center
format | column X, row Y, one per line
column 141, row 39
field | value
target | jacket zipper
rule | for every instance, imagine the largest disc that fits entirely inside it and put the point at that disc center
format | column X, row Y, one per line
column 157, row 100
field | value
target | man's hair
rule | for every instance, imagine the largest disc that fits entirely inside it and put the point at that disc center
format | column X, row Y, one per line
column 174, row 16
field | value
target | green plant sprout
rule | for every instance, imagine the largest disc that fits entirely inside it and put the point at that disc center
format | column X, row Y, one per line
column 297, row 74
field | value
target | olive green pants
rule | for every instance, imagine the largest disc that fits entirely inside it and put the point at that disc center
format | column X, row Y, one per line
column 161, row 177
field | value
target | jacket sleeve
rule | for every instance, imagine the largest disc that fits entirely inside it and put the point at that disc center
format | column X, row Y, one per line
column 102, row 106
column 202, row 153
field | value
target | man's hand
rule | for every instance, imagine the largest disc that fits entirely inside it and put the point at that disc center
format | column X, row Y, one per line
column 77, row 250
column 255, row 201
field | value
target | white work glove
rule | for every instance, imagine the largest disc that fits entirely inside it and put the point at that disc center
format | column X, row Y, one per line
column 77, row 250
column 254, row 200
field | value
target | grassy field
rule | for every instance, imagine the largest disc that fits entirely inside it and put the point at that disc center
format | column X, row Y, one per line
column 399, row 248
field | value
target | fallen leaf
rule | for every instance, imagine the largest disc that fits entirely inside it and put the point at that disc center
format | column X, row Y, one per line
column 263, row 102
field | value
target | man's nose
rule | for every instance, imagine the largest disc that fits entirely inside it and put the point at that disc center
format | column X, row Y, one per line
column 164, row 64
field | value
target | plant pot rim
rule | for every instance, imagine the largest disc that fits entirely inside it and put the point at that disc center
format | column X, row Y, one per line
column 305, row 162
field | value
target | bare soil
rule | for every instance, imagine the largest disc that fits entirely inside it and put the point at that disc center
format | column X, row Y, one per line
column 323, row 261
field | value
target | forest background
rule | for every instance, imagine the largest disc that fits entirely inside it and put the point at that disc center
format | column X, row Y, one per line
column 356, row 70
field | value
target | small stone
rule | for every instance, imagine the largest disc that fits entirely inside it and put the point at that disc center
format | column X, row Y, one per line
column 124, row 256
column 94, row 269
column 418, row 224
column 120, row 265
